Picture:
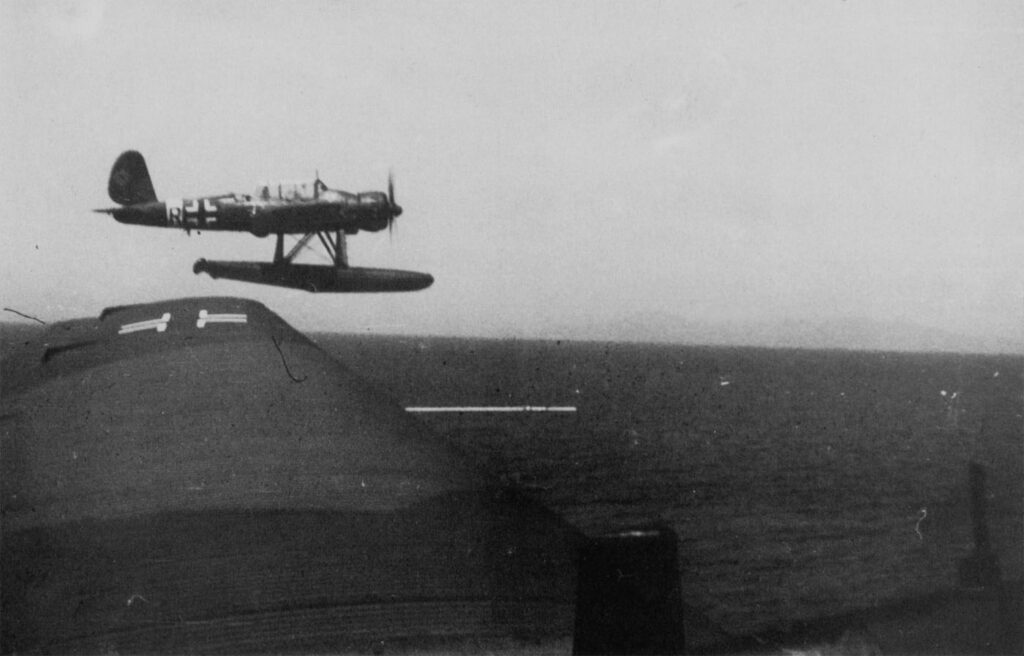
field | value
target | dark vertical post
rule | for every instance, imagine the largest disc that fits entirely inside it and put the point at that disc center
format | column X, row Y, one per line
column 980, row 569
column 340, row 250
column 628, row 598
column 978, row 508
column 279, row 249
column 1001, row 632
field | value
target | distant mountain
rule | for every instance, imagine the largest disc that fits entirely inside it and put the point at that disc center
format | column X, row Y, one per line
column 855, row 334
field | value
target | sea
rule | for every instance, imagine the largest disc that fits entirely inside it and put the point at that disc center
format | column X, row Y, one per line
column 801, row 484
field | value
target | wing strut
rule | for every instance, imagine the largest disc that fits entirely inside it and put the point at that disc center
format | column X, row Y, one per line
column 335, row 247
column 280, row 257
column 299, row 245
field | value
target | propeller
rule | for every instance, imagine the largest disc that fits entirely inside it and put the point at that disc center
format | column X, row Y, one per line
column 396, row 209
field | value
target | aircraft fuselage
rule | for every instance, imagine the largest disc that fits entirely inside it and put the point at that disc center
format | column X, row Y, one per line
column 262, row 217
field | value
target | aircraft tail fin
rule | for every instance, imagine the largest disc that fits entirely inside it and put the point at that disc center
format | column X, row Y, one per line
column 129, row 180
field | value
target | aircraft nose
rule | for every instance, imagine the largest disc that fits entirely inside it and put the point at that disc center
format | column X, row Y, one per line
column 396, row 210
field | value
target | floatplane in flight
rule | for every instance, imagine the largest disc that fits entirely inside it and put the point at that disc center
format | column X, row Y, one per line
column 307, row 209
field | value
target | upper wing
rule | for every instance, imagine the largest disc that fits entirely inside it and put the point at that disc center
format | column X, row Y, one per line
column 195, row 475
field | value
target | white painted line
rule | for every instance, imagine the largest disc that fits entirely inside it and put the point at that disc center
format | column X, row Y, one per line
column 638, row 534
column 205, row 318
column 494, row 408
column 159, row 325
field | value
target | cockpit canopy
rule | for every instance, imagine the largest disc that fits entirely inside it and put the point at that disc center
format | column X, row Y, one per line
column 290, row 190
column 316, row 190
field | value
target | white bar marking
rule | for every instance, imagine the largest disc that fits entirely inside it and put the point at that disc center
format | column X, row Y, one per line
column 205, row 318
column 494, row 408
column 159, row 325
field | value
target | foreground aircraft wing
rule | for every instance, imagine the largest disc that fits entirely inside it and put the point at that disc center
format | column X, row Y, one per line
column 194, row 475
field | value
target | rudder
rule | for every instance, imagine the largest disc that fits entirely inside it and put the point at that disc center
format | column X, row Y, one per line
column 129, row 180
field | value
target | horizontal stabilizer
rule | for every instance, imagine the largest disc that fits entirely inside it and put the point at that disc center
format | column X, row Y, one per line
column 317, row 278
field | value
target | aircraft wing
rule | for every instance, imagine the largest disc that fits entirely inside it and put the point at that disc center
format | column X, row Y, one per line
column 194, row 475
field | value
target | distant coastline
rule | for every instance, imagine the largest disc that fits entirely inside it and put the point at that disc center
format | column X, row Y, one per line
column 847, row 334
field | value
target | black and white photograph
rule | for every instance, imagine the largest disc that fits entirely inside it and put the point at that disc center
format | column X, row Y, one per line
column 520, row 328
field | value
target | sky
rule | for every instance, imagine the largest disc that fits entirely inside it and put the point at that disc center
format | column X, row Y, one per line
column 562, row 165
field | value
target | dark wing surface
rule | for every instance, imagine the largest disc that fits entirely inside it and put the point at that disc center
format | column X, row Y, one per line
column 194, row 475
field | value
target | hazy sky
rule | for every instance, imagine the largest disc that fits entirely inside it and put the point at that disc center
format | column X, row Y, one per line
column 559, row 163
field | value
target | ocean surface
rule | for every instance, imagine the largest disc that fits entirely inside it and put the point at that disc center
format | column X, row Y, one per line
column 801, row 484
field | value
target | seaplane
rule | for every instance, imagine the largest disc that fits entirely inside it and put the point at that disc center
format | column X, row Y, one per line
column 306, row 209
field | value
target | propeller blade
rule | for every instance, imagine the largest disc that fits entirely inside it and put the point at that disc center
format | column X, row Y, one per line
column 395, row 209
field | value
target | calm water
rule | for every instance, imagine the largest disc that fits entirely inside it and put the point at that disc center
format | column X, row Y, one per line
column 800, row 483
